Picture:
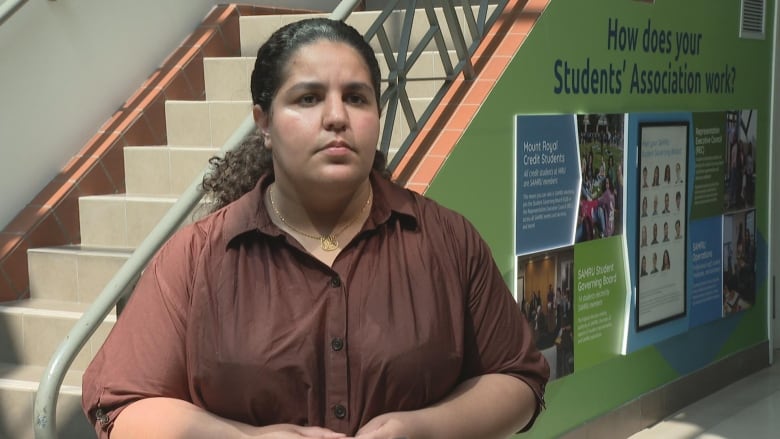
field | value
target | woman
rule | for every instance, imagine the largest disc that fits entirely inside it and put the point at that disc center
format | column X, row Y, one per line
column 319, row 300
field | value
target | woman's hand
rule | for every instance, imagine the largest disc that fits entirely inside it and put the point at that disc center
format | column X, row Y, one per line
column 395, row 425
column 291, row 431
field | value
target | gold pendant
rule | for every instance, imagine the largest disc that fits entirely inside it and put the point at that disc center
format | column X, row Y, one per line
column 329, row 243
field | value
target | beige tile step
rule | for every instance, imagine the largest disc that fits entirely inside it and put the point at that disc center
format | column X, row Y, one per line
column 120, row 220
column 227, row 78
column 72, row 273
column 204, row 123
column 32, row 329
column 163, row 170
column 256, row 29
column 18, row 387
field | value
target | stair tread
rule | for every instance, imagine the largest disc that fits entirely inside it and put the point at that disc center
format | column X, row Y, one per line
column 176, row 147
column 55, row 308
column 27, row 377
column 83, row 249
column 133, row 197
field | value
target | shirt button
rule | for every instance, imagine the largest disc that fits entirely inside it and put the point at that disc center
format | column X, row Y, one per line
column 337, row 343
column 102, row 417
column 340, row 411
column 335, row 282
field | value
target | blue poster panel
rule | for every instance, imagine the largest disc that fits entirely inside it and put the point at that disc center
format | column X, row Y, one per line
column 705, row 280
column 547, row 177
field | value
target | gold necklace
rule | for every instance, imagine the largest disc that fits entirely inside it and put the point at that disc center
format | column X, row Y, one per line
column 328, row 242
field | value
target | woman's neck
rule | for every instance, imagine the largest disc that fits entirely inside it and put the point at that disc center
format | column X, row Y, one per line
column 318, row 212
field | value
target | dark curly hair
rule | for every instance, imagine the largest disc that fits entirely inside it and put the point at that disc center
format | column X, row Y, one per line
column 238, row 172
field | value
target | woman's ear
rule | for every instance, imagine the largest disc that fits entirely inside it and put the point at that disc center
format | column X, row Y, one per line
column 262, row 121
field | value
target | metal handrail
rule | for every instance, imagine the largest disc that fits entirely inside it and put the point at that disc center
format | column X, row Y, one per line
column 395, row 94
column 44, row 412
column 8, row 8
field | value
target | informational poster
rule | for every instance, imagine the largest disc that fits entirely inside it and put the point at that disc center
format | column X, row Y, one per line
column 632, row 228
column 663, row 149
column 569, row 221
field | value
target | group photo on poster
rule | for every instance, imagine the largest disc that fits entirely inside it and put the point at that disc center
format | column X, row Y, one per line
column 740, row 160
column 739, row 245
column 545, row 293
column 662, row 221
column 601, row 150
column 739, row 261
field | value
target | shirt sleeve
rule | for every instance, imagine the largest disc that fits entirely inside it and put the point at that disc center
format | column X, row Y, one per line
column 498, row 337
column 144, row 356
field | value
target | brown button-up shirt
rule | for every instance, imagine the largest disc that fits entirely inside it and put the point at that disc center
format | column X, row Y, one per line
column 234, row 316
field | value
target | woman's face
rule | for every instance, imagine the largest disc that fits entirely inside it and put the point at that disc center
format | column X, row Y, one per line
column 323, row 124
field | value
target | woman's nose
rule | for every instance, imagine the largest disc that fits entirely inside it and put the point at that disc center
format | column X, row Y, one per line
column 334, row 114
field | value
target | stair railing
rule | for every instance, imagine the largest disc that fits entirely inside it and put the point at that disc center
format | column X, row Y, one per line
column 399, row 61
column 9, row 8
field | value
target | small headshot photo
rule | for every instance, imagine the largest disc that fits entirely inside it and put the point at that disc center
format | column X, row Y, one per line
column 666, row 203
column 644, row 206
column 656, row 175
column 666, row 232
column 668, row 174
column 643, row 240
column 655, row 263
column 677, row 231
column 678, row 173
column 655, row 234
column 678, row 200
column 644, row 176
column 666, row 263
column 643, row 269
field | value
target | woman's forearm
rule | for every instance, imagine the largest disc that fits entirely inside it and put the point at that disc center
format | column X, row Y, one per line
column 174, row 418
column 486, row 407
column 170, row 418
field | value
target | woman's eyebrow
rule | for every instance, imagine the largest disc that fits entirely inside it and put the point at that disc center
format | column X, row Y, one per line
column 357, row 86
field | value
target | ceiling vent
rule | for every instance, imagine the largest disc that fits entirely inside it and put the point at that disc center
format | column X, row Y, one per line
column 751, row 20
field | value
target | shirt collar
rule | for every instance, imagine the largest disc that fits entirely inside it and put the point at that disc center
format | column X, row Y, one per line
column 249, row 213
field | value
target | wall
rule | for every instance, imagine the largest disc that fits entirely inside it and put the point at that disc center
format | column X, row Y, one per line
column 577, row 32
column 68, row 65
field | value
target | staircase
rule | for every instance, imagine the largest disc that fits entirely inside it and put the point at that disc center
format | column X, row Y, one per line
column 65, row 280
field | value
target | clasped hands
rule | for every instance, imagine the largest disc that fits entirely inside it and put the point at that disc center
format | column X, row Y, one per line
column 398, row 425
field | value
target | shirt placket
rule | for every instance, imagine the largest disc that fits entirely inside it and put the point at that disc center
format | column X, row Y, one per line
column 337, row 373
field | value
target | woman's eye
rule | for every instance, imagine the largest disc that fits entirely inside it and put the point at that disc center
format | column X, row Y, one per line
column 356, row 99
column 308, row 99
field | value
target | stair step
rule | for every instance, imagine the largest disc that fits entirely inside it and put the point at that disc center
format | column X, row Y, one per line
column 73, row 272
column 227, row 78
column 32, row 329
column 204, row 123
column 18, row 386
column 120, row 221
column 163, row 170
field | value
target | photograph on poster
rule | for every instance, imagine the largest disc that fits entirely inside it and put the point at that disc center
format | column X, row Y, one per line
column 739, row 261
column 601, row 150
column 740, row 160
column 663, row 154
column 545, row 284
